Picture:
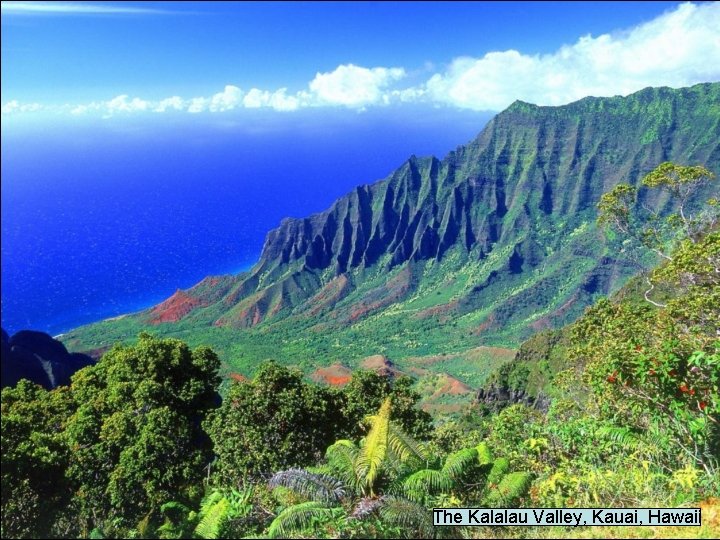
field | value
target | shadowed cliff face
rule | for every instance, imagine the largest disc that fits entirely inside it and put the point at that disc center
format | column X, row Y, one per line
column 39, row 358
column 497, row 239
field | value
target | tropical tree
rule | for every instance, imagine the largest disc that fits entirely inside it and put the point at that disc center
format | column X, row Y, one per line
column 278, row 420
column 135, row 438
column 661, row 367
column 274, row 421
column 654, row 229
column 366, row 392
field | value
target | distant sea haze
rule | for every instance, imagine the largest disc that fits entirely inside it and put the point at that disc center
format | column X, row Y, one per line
column 104, row 217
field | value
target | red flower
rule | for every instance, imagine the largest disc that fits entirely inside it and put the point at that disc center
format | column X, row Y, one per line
column 683, row 388
column 702, row 405
column 612, row 378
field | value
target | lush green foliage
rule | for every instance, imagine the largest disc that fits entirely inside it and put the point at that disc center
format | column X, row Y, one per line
column 136, row 438
column 274, row 421
column 35, row 456
column 122, row 440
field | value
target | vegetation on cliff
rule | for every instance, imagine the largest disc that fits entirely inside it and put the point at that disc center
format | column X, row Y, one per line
column 483, row 248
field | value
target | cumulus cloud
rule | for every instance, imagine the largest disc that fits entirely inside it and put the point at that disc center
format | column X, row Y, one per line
column 354, row 86
column 14, row 106
column 278, row 100
column 175, row 103
column 679, row 48
column 226, row 100
column 123, row 103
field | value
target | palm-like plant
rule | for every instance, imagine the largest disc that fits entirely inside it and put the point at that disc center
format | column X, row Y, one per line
column 388, row 460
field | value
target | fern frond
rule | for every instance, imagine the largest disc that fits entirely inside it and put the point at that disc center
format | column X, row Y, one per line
column 372, row 454
column 426, row 482
column 212, row 518
column 500, row 467
column 174, row 506
column 404, row 447
column 319, row 487
column 179, row 519
column 621, row 436
column 511, row 487
column 407, row 515
column 300, row 516
column 341, row 458
column 459, row 463
column 484, row 454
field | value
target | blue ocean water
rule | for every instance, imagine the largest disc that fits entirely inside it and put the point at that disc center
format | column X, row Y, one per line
column 103, row 217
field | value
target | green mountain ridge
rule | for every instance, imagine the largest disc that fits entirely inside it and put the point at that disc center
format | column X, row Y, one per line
column 482, row 248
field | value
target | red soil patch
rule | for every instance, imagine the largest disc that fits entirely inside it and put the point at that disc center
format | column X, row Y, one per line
column 238, row 377
column 254, row 311
column 210, row 281
column 335, row 375
column 453, row 387
column 175, row 308
column 418, row 372
column 485, row 325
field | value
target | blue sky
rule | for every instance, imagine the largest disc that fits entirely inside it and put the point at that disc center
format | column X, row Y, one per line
column 108, row 58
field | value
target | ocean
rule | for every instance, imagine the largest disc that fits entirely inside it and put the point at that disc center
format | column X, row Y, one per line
column 108, row 216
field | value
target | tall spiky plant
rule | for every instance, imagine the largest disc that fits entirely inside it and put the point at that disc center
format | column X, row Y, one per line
column 385, row 444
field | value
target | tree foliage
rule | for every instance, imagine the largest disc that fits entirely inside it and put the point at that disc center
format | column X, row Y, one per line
column 35, row 456
column 275, row 421
column 135, row 437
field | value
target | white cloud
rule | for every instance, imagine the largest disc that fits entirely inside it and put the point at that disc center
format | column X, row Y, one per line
column 123, row 103
column 14, row 106
column 176, row 103
column 226, row 100
column 39, row 8
column 679, row 48
column 198, row 104
column 278, row 100
column 354, row 86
